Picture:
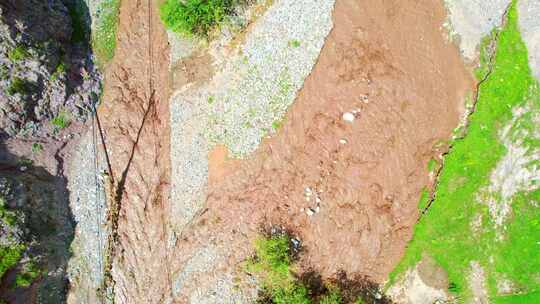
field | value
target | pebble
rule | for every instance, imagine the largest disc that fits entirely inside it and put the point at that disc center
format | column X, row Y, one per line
column 342, row 141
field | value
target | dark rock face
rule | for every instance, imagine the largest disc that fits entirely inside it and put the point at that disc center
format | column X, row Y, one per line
column 47, row 72
column 47, row 81
column 37, row 219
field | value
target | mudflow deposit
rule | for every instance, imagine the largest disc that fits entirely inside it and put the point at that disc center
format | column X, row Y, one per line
column 269, row 151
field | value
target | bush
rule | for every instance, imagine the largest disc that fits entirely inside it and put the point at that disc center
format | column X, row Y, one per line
column 17, row 85
column 195, row 17
column 333, row 297
column 61, row 121
column 27, row 276
column 18, row 53
column 273, row 265
column 9, row 257
column 295, row 294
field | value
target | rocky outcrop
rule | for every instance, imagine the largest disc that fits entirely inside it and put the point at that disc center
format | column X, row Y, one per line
column 36, row 229
column 48, row 88
column 47, row 74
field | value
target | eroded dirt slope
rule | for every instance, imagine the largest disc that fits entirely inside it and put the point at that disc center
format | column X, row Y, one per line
column 388, row 64
column 135, row 119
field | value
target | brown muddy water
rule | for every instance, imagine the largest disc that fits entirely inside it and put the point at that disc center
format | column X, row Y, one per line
column 387, row 63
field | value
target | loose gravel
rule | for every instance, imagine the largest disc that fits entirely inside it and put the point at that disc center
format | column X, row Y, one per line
column 472, row 20
column 250, row 97
column 247, row 99
column 528, row 12
column 189, row 150
column 88, row 205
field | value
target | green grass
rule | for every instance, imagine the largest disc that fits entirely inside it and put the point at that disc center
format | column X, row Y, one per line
column 195, row 17
column 432, row 164
column 18, row 53
column 445, row 232
column 424, row 200
column 294, row 43
column 104, row 37
column 61, row 121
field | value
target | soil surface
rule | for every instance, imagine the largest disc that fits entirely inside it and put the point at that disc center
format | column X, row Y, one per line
column 134, row 117
column 388, row 64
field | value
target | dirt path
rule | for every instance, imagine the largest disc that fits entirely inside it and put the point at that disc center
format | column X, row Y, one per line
column 135, row 119
column 388, row 64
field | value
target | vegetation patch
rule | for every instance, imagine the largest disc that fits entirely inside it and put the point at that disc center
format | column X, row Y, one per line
column 18, row 86
column 273, row 264
column 9, row 257
column 27, row 275
column 9, row 254
column 61, row 121
column 196, row 17
column 445, row 232
column 104, row 37
column 59, row 70
column 78, row 24
column 18, row 53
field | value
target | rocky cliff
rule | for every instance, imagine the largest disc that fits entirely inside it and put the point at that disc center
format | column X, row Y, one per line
column 49, row 85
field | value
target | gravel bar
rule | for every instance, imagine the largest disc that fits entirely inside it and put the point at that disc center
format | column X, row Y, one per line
column 529, row 23
column 472, row 20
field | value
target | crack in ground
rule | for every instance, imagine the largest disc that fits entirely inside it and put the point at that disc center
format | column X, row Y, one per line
column 493, row 45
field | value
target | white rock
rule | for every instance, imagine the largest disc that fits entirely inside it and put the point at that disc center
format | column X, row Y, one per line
column 348, row 117
column 342, row 141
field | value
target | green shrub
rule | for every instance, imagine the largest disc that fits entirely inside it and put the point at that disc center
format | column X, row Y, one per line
column 61, row 121
column 37, row 148
column 333, row 297
column 273, row 266
column 273, row 261
column 17, row 85
column 59, row 70
column 25, row 278
column 7, row 216
column 18, row 53
column 295, row 294
column 9, row 257
column 4, row 72
column 195, row 17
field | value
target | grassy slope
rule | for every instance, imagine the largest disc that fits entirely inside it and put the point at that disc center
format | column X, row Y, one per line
column 104, row 37
column 445, row 231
